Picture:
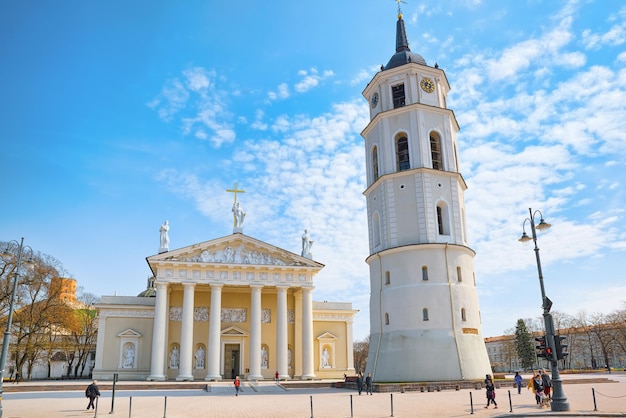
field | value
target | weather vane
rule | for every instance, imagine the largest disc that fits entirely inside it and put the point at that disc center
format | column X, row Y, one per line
column 399, row 9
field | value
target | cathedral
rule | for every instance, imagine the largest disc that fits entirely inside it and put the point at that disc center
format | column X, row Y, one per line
column 231, row 306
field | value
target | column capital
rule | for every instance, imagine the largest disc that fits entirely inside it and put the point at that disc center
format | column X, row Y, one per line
column 189, row 284
column 216, row 285
column 161, row 285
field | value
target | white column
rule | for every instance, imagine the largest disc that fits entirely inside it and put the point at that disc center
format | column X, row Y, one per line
column 215, row 331
column 296, row 358
column 349, row 346
column 186, row 334
column 102, row 320
column 307, row 334
column 281, row 332
column 255, row 333
column 157, row 362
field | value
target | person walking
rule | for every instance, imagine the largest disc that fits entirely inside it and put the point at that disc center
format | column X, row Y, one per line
column 359, row 383
column 92, row 392
column 17, row 377
column 368, row 384
column 237, row 383
column 491, row 393
column 547, row 385
column 537, row 383
column 276, row 376
column 518, row 382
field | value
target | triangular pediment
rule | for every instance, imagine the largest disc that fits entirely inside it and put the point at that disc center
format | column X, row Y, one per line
column 235, row 249
column 234, row 332
column 327, row 336
column 129, row 333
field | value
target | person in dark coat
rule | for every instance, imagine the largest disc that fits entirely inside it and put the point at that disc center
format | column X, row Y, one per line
column 92, row 392
column 359, row 382
column 518, row 382
column 547, row 385
column 368, row 384
column 491, row 393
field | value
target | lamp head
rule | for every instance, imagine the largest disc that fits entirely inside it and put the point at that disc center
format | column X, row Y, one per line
column 524, row 238
column 543, row 225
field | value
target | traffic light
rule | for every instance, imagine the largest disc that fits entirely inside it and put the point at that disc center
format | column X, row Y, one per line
column 560, row 347
column 542, row 346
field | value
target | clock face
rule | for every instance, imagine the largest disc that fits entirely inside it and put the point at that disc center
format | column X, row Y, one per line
column 427, row 85
column 374, row 100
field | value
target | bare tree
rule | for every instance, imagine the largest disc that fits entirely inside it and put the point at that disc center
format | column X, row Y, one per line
column 361, row 349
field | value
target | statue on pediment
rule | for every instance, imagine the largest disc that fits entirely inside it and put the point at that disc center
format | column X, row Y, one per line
column 165, row 239
column 238, row 215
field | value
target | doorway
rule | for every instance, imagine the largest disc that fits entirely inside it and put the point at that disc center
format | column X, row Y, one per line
column 231, row 361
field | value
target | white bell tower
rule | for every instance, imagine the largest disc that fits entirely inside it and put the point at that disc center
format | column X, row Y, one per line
column 424, row 314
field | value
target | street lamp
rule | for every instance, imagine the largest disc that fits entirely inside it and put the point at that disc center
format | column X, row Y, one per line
column 8, row 255
column 559, row 400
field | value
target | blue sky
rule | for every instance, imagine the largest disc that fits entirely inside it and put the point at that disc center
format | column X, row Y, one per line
column 119, row 115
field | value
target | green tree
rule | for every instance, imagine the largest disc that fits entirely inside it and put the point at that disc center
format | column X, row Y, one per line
column 524, row 345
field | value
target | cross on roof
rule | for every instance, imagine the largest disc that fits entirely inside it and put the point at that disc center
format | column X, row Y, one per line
column 235, row 191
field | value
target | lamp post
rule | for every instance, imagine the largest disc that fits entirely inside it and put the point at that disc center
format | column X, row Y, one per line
column 559, row 400
column 7, row 255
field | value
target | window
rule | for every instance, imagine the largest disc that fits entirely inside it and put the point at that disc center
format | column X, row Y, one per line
column 402, row 153
column 463, row 317
column 435, row 151
column 397, row 92
column 443, row 225
column 459, row 278
column 425, row 314
column 424, row 273
column 386, row 318
column 375, row 162
column 387, row 278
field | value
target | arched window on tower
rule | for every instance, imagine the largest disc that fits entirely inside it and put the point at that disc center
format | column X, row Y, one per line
column 387, row 278
column 425, row 314
column 443, row 219
column 459, row 277
column 435, row 151
column 463, row 316
column 424, row 273
column 402, row 152
column 386, row 318
column 375, row 162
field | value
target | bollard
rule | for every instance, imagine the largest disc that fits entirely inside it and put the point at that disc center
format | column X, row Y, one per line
column 351, row 409
column 130, row 407
column 311, row 406
column 113, row 393
column 593, row 393
column 96, row 410
column 391, row 404
column 165, row 408
column 510, row 402
column 471, row 404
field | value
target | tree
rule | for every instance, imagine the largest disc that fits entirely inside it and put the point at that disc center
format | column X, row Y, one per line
column 361, row 349
column 524, row 345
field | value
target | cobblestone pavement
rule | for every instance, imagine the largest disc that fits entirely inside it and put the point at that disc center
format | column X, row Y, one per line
column 270, row 401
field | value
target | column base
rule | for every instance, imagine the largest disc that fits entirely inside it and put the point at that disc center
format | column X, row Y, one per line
column 255, row 377
column 156, row 378
column 213, row 377
column 186, row 378
column 284, row 377
column 308, row 376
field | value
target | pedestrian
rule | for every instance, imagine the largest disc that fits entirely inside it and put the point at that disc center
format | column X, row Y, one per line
column 518, row 382
column 276, row 375
column 368, row 384
column 17, row 377
column 359, row 383
column 547, row 385
column 537, row 383
column 92, row 392
column 491, row 393
column 237, row 383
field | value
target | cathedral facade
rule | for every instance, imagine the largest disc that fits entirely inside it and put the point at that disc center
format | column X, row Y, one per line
column 232, row 306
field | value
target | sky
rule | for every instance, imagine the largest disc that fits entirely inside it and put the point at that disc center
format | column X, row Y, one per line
column 117, row 116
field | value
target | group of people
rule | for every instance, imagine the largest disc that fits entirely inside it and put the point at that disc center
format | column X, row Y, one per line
column 368, row 383
column 540, row 384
